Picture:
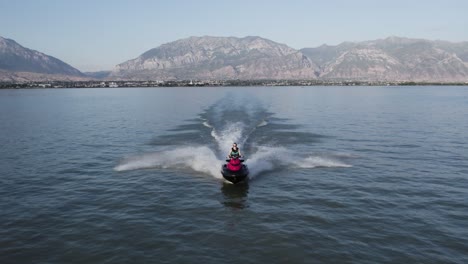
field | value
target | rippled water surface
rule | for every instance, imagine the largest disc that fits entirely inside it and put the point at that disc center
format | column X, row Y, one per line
column 338, row 175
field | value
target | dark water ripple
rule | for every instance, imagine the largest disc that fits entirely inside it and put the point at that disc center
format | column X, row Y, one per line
column 360, row 175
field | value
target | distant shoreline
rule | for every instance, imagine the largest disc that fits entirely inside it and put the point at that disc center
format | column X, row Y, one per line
column 214, row 83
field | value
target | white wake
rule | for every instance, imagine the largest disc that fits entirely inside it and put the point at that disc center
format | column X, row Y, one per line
column 205, row 160
column 201, row 159
column 271, row 158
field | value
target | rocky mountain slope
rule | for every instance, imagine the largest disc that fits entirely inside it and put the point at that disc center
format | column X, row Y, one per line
column 254, row 58
column 393, row 59
column 17, row 61
column 219, row 58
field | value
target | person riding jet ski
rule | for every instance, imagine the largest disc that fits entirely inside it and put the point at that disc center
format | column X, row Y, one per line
column 234, row 170
column 235, row 151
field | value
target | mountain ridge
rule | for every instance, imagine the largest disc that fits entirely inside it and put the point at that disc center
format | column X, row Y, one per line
column 16, row 60
column 392, row 58
column 211, row 57
column 255, row 58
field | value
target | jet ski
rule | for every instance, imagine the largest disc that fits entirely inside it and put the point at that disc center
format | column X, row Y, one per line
column 234, row 170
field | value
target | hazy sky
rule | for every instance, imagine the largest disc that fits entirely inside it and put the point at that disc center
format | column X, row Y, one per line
column 96, row 35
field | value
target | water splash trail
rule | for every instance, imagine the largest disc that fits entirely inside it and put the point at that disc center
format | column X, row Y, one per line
column 201, row 159
column 272, row 158
column 225, row 127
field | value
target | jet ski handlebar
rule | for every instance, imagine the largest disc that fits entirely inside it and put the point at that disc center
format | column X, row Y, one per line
column 239, row 157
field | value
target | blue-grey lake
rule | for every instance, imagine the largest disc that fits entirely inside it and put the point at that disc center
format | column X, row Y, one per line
column 132, row 175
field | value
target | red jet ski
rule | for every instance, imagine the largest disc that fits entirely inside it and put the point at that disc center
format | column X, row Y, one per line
column 234, row 170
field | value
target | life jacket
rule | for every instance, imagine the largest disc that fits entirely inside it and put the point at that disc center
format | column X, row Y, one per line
column 234, row 152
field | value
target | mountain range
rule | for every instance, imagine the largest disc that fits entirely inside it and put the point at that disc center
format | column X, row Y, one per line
column 254, row 58
column 219, row 58
column 393, row 58
column 18, row 63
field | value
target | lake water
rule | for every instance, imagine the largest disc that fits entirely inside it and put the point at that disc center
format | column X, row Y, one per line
column 338, row 175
